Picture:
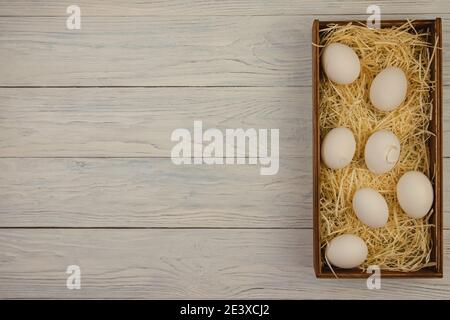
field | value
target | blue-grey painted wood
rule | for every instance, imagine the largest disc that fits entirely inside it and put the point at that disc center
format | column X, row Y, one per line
column 215, row 8
column 185, row 264
column 138, row 122
column 142, row 192
column 163, row 51
column 80, row 192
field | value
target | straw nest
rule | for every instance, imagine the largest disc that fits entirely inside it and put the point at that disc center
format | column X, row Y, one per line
column 404, row 244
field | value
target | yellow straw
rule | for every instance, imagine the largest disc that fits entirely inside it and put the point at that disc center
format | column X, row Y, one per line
column 404, row 244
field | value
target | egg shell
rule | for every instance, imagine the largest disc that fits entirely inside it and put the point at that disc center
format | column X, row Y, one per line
column 388, row 89
column 370, row 207
column 346, row 251
column 338, row 148
column 340, row 63
column 382, row 151
column 415, row 194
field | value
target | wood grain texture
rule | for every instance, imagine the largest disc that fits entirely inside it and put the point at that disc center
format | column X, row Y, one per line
column 138, row 122
column 151, row 193
column 156, row 193
column 96, row 158
column 183, row 264
column 162, row 51
column 211, row 7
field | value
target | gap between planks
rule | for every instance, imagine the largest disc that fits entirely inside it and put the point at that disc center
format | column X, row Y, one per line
column 165, row 86
column 159, row 228
column 342, row 15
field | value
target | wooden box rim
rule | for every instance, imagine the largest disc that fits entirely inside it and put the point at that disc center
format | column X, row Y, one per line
column 435, row 153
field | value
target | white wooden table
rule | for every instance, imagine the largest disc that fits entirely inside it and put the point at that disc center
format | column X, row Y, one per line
column 85, row 171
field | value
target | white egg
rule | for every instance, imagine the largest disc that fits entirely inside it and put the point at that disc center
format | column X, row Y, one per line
column 338, row 148
column 340, row 63
column 346, row 251
column 415, row 194
column 382, row 151
column 370, row 207
column 388, row 89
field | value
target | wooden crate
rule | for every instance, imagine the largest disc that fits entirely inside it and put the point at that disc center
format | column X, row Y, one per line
column 435, row 145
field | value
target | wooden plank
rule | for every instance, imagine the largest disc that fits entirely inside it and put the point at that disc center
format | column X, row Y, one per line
column 209, row 8
column 138, row 122
column 163, row 51
column 181, row 264
column 151, row 193
column 156, row 193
